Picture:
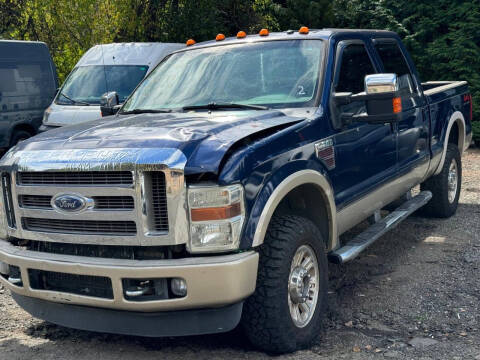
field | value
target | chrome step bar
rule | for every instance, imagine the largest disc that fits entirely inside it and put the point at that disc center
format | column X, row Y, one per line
column 355, row 246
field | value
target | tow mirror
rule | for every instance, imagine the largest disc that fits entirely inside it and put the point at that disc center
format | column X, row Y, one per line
column 109, row 103
column 382, row 101
column 381, row 83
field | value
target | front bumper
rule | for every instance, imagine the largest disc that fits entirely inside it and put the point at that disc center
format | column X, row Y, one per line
column 212, row 281
column 158, row 324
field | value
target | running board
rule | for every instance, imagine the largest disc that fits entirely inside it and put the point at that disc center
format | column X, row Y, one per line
column 354, row 247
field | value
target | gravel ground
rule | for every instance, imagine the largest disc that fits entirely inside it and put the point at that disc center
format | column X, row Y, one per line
column 413, row 295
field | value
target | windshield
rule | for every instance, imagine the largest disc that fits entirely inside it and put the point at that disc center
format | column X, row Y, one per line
column 274, row 73
column 87, row 84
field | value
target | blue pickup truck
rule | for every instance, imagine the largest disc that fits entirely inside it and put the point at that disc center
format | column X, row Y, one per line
column 218, row 192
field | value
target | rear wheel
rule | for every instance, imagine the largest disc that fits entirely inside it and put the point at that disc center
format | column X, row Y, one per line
column 445, row 186
column 284, row 314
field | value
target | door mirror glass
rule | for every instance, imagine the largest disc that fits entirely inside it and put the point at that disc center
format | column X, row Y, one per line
column 381, row 83
column 109, row 103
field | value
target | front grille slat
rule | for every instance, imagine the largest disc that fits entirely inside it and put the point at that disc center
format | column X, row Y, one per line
column 101, row 202
column 86, row 285
column 104, row 227
column 8, row 200
column 104, row 251
column 113, row 202
column 159, row 201
column 35, row 201
column 76, row 178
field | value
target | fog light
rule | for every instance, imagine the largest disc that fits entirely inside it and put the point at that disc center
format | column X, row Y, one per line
column 179, row 286
column 4, row 268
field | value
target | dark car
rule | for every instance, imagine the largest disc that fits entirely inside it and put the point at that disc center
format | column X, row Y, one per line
column 28, row 83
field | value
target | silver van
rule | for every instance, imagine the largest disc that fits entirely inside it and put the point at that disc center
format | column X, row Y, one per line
column 28, row 82
column 104, row 68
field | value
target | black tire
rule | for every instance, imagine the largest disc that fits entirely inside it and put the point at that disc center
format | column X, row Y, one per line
column 266, row 317
column 439, row 205
column 19, row 135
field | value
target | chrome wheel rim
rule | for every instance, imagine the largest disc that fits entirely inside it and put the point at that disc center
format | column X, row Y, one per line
column 303, row 286
column 452, row 181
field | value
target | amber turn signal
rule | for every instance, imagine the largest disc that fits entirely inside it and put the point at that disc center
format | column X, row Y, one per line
column 190, row 42
column 241, row 34
column 304, row 30
column 216, row 213
column 220, row 37
column 397, row 105
column 263, row 32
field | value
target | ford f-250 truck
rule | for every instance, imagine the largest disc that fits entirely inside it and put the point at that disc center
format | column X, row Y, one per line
column 220, row 189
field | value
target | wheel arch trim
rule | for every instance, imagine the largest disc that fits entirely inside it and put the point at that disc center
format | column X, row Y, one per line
column 455, row 118
column 291, row 182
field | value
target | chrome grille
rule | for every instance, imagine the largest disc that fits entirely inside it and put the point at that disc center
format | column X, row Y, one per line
column 159, row 201
column 101, row 202
column 76, row 178
column 80, row 226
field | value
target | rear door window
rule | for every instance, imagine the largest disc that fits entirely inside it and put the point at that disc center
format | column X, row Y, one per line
column 394, row 62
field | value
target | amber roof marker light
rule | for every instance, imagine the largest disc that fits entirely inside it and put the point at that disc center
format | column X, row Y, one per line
column 220, row 37
column 190, row 42
column 263, row 32
column 241, row 34
column 304, row 30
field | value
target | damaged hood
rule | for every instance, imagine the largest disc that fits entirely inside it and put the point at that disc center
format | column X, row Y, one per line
column 199, row 139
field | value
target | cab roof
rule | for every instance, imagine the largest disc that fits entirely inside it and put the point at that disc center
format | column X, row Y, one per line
column 314, row 34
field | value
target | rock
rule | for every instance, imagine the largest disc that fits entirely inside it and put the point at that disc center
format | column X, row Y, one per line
column 422, row 342
column 391, row 354
column 349, row 323
column 356, row 349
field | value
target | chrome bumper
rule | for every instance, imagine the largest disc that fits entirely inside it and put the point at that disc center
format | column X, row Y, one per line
column 212, row 281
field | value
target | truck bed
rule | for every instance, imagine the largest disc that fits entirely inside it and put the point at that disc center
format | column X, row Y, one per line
column 436, row 91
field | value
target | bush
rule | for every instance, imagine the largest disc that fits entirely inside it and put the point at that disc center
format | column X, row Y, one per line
column 476, row 132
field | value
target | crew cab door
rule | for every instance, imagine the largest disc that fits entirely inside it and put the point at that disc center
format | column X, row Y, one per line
column 365, row 153
column 412, row 129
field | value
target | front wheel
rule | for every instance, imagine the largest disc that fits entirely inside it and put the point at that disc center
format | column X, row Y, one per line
column 284, row 314
column 445, row 186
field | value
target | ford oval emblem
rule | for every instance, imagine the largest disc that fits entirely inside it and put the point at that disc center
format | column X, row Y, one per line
column 69, row 203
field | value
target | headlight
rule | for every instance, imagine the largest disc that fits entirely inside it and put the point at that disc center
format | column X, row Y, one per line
column 46, row 115
column 216, row 218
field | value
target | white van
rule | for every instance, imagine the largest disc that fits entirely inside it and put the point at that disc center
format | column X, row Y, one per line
column 103, row 68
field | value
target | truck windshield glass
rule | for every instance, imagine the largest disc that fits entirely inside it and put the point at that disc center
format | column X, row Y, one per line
column 87, row 84
column 275, row 74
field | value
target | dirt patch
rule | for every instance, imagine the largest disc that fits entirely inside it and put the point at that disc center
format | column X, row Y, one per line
column 413, row 295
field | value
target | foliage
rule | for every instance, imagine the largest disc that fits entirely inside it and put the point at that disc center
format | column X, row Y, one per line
column 443, row 36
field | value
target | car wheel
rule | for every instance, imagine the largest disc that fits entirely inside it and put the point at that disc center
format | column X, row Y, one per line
column 445, row 186
column 19, row 135
column 284, row 314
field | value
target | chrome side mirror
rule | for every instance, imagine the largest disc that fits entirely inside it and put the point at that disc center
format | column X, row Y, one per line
column 381, row 83
column 109, row 103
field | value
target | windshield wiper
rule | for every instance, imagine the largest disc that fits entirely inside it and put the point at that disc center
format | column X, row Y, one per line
column 216, row 106
column 145, row 111
column 76, row 102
